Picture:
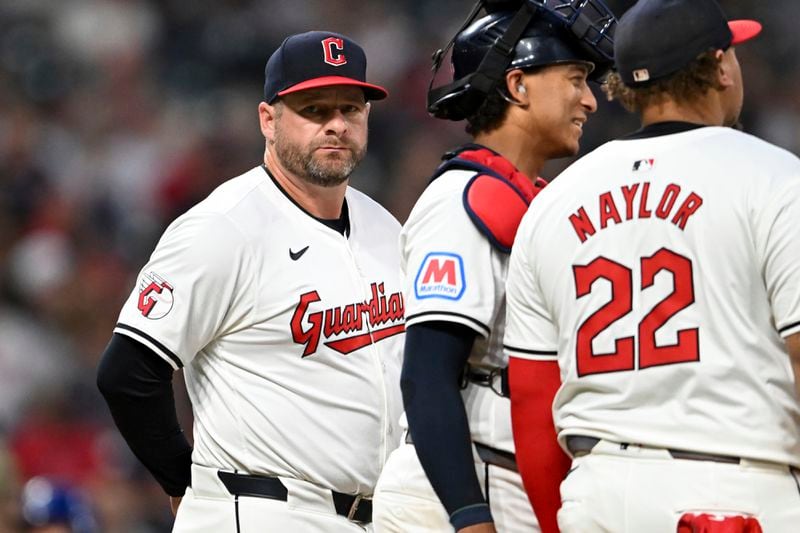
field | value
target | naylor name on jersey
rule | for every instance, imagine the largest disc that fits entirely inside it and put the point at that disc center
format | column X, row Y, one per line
column 634, row 199
column 359, row 318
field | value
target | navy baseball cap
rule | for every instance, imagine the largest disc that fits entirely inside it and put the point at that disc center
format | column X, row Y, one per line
column 317, row 59
column 657, row 38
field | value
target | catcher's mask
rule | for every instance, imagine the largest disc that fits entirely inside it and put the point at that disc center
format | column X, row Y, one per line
column 519, row 34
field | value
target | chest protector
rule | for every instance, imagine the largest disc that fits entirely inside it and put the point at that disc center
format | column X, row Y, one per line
column 495, row 198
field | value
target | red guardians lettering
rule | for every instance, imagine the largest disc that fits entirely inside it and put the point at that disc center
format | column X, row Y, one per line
column 672, row 205
column 352, row 318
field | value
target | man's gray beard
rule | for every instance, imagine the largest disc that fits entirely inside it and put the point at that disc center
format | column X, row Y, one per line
column 301, row 163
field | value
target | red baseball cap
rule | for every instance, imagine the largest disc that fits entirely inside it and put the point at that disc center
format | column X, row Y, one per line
column 317, row 59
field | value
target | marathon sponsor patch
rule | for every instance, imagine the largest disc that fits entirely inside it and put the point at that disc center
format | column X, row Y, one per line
column 155, row 296
column 441, row 275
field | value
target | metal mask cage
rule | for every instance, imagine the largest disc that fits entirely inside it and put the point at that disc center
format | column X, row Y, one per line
column 590, row 21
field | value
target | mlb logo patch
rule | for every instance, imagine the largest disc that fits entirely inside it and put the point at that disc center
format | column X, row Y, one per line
column 441, row 275
column 641, row 74
column 643, row 164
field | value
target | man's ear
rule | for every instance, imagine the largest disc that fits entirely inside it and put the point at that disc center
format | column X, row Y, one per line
column 267, row 115
column 516, row 87
column 724, row 75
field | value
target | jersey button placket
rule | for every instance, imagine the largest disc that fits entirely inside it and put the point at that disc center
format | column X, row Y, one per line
column 362, row 281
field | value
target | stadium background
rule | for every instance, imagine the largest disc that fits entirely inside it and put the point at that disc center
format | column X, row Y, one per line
column 117, row 115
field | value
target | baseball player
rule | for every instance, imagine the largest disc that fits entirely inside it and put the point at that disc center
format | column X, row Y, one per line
column 456, row 468
column 279, row 296
column 654, row 301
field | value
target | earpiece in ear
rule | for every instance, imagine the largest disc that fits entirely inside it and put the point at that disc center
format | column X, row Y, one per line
column 521, row 88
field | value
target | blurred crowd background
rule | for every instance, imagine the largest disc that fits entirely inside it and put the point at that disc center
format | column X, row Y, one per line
column 118, row 115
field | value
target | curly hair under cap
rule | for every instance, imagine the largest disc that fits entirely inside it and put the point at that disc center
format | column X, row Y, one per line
column 489, row 116
column 691, row 82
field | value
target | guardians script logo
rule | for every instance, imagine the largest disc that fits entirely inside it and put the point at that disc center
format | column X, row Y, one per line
column 362, row 318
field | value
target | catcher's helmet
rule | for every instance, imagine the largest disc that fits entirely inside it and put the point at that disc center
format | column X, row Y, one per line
column 545, row 42
column 537, row 33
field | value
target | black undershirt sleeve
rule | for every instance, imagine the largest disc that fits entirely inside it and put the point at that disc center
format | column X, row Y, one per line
column 435, row 355
column 137, row 385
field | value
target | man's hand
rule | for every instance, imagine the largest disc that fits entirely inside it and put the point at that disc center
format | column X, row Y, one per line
column 486, row 527
column 174, row 503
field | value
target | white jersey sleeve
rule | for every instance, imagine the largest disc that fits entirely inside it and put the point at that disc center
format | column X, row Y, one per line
column 190, row 291
column 530, row 331
column 450, row 269
column 777, row 235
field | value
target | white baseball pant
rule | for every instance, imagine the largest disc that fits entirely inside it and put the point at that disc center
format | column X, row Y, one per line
column 619, row 488
column 405, row 501
column 208, row 507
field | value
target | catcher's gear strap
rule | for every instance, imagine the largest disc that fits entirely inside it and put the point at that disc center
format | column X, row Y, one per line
column 497, row 197
column 710, row 523
column 494, row 378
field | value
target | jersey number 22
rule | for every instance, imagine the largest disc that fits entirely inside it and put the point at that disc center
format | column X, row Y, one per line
column 621, row 303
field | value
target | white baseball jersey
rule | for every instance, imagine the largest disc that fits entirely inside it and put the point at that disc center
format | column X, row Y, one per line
column 453, row 274
column 661, row 273
column 290, row 333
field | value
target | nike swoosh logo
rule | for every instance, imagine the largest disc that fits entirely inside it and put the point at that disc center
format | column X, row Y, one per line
column 297, row 255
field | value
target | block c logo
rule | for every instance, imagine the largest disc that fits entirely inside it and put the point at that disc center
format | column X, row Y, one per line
column 335, row 58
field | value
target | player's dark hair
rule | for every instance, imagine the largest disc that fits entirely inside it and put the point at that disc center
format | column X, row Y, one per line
column 686, row 85
column 489, row 116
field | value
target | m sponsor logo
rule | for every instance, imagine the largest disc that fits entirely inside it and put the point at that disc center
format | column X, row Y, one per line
column 155, row 296
column 441, row 275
